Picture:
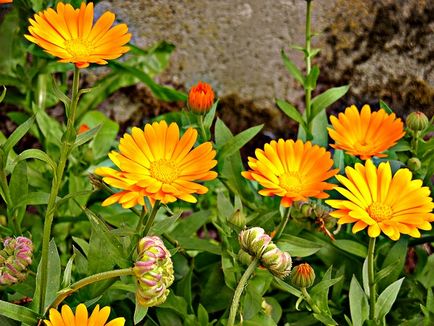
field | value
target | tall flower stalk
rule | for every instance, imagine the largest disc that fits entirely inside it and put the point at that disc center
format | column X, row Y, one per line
column 65, row 149
column 307, row 59
column 371, row 278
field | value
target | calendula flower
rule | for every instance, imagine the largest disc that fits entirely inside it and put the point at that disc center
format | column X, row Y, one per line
column 417, row 121
column 157, row 163
column 5, row 1
column 365, row 134
column 383, row 203
column 15, row 257
column 303, row 276
column 70, row 35
column 292, row 170
column 81, row 318
column 201, row 98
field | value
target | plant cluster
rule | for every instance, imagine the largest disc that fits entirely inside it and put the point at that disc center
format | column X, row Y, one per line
column 168, row 225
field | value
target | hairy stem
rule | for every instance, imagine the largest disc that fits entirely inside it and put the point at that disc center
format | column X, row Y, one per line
column 239, row 290
column 151, row 217
column 371, row 278
column 307, row 58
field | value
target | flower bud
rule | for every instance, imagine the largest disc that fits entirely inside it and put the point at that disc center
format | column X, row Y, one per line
column 238, row 219
column 244, row 258
column 201, row 98
column 154, row 272
column 254, row 241
column 417, row 121
column 15, row 257
column 414, row 164
column 277, row 261
column 303, row 276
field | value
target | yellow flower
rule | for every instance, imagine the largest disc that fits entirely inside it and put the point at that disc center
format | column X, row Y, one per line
column 81, row 318
column 157, row 163
column 365, row 134
column 70, row 35
column 292, row 170
column 375, row 199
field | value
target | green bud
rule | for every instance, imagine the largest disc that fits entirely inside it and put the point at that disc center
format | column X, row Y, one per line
column 238, row 219
column 414, row 164
column 417, row 121
column 244, row 258
column 303, row 276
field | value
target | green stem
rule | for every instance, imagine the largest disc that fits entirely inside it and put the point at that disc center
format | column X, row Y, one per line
column 202, row 128
column 282, row 224
column 141, row 218
column 239, row 290
column 371, row 278
column 63, row 294
column 67, row 143
column 309, row 300
column 8, row 200
column 151, row 217
column 307, row 57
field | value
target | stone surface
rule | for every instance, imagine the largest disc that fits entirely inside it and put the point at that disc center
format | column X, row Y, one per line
column 383, row 48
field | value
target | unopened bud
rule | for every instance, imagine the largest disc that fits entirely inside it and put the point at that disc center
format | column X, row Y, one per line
column 244, row 257
column 414, row 164
column 238, row 219
column 154, row 272
column 254, row 241
column 303, row 276
column 417, row 121
column 278, row 262
column 201, row 98
column 15, row 257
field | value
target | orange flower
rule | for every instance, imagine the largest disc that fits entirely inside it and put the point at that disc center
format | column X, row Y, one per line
column 201, row 98
column 156, row 163
column 292, row 170
column 6, row 1
column 81, row 318
column 380, row 202
column 70, row 35
column 365, row 134
column 83, row 128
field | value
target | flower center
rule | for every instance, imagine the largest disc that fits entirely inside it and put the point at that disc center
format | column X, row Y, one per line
column 164, row 171
column 380, row 212
column 363, row 147
column 78, row 47
column 291, row 181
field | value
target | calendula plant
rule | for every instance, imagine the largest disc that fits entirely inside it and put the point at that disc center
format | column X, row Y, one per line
column 169, row 225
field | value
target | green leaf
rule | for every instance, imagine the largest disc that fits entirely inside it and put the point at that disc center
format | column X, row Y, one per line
column 16, row 136
column 19, row 313
column 202, row 316
column 38, row 155
column 385, row 107
column 87, row 136
column 339, row 160
column 365, row 277
column 386, row 299
column 53, row 277
column 286, row 287
column 318, row 132
column 189, row 225
column 164, row 224
column 190, row 243
column 359, row 306
column 139, row 313
column 209, row 117
column 386, row 271
column 2, row 96
column 33, row 198
column 352, row 247
column 162, row 92
column 235, row 143
column 325, row 319
column 396, row 254
column 67, row 272
column 291, row 111
column 18, row 184
column 324, row 100
column 298, row 247
column 312, row 78
column 292, row 68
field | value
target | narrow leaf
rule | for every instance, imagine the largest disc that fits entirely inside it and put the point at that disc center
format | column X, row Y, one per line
column 36, row 154
column 292, row 68
column 327, row 98
column 352, row 247
column 67, row 272
column 359, row 307
column 385, row 107
column 298, row 247
column 16, row 136
column 209, row 117
column 2, row 96
column 291, row 111
column 386, row 299
column 19, row 313
column 139, row 313
column 235, row 143
column 86, row 136
column 312, row 78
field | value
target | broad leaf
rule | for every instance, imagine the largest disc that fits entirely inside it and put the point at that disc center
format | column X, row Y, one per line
column 352, row 247
column 298, row 247
column 18, row 313
column 359, row 306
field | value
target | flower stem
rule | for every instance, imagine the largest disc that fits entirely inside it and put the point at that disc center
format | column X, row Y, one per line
column 239, row 290
column 151, row 217
column 141, row 218
column 67, row 143
column 307, row 58
column 63, row 294
column 202, row 128
column 371, row 278
column 282, row 224
column 309, row 300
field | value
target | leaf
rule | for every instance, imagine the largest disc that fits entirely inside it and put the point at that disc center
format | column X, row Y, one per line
column 16, row 136
column 325, row 319
column 162, row 92
column 202, row 316
column 87, row 136
column 235, row 143
column 339, row 160
column 67, row 272
column 53, row 277
column 190, row 243
column 2, row 96
column 139, row 313
column 33, row 198
column 396, row 254
column 209, row 117
column 386, row 299
column 352, row 247
column 19, row 313
column 385, row 107
column 18, row 184
column 365, row 277
column 385, row 272
column 35, row 154
column 163, row 225
column 286, row 287
column 189, row 225
column 298, row 247
column 292, row 68
column 291, row 111
column 359, row 306
column 311, row 79
column 324, row 100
